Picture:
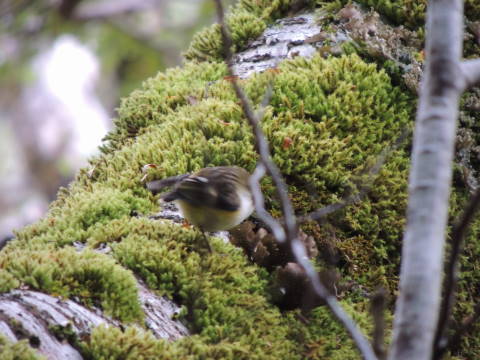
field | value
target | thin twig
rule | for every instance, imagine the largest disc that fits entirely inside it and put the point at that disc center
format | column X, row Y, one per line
column 378, row 314
column 290, row 222
column 364, row 187
column 110, row 8
column 451, row 277
column 260, row 140
column 259, row 202
column 466, row 326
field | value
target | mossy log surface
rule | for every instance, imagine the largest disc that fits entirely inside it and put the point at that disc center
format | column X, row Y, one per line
column 329, row 118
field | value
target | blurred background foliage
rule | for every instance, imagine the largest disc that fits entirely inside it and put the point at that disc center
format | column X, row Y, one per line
column 64, row 65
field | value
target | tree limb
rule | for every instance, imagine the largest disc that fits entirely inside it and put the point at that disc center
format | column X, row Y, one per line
column 108, row 8
column 378, row 314
column 418, row 304
column 465, row 326
column 363, row 187
column 451, row 277
column 56, row 325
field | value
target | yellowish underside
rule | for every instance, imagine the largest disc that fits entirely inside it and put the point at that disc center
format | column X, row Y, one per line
column 209, row 219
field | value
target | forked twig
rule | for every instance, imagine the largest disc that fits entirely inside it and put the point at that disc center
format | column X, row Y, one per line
column 440, row 344
column 289, row 233
column 364, row 188
column 465, row 326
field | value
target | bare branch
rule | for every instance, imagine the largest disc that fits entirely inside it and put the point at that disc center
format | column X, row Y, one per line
column 378, row 313
column 260, row 140
column 465, row 327
column 290, row 222
column 108, row 8
column 451, row 277
column 471, row 72
column 67, row 7
column 259, row 202
column 418, row 304
column 364, row 187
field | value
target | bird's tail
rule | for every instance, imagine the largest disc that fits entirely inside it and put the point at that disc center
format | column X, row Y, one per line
column 156, row 186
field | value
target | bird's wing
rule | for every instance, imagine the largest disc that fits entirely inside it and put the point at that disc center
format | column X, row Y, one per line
column 213, row 187
column 225, row 182
column 194, row 190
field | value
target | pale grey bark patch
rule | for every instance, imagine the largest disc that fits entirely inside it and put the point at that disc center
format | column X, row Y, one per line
column 285, row 39
column 159, row 315
column 42, row 319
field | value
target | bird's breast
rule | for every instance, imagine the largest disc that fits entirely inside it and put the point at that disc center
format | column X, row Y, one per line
column 212, row 219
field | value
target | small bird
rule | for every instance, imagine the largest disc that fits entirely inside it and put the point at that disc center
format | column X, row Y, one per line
column 213, row 199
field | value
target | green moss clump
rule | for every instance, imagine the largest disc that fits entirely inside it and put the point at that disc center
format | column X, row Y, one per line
column 466, row 296
column 207, row 44
column 325, row 338
column 410, row 13
column 91, row 278
column 160, row 96
column 17, row 351
column 7, row 281
column 131, row 344
column 225, row 298
column 81, row 214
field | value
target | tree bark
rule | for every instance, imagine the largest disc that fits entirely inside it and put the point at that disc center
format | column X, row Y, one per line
column 49, row 323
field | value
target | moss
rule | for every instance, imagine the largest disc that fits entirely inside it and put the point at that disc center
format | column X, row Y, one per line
column 224, row 296
column 324, row 338
column 327, row 122
column 81, row 214
column 321, row 338
column 132, row 343
column 410, row 13
column 7, row 281
column 91, row 278
column 17, row 351
column 468, row 286
column 160, row 96
column 207, row 45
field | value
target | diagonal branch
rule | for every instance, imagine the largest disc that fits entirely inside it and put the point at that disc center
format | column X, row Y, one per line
column 451, row 277
column 259, row 202
column 363, row 187
column 260, row 140
column 110, row 8
column 465, row 327
column 291, row 226
column 378, row 313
